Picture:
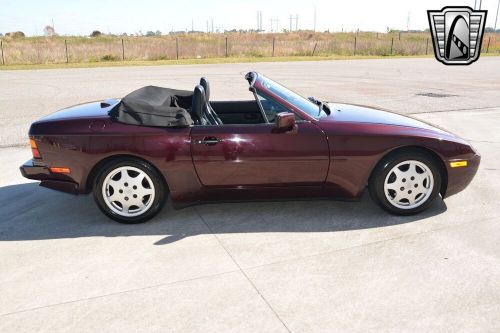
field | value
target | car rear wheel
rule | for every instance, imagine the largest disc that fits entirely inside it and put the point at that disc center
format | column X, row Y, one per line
column 129, row 191
column 406, row 183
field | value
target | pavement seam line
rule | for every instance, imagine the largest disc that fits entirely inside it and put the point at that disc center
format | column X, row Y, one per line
column 366, row 244
column 119, row 292
column 482, row 141
column 456, row 110
column 242, row 271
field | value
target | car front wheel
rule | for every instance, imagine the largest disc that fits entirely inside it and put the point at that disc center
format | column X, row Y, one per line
column 406, row 183
column 129, row 191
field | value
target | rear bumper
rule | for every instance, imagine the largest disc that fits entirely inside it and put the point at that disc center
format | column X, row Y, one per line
column 48, row 179
column 31, row 171
column 460, row 178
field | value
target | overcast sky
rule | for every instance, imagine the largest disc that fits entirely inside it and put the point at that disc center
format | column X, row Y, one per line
column 131, row 16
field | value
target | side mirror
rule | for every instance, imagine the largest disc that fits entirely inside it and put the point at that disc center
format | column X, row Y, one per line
column 285, row 122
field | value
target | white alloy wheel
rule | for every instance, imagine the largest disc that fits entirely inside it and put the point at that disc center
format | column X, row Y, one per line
column 128, row 191
column 409, row 184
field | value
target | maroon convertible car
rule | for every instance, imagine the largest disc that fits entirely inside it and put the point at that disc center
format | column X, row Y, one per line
column 157, row 142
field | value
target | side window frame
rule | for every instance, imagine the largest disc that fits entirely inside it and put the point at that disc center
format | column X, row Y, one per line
column 264, row 115
column 297, row 117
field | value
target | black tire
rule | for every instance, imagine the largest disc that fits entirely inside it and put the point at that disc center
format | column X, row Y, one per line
column 157, row 181
column 379, row 174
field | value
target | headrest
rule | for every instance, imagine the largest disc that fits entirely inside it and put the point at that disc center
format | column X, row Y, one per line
column 204, row 83
column 199, row 101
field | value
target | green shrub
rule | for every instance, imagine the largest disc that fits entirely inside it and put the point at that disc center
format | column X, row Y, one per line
column 15, row 34
column 109, row 57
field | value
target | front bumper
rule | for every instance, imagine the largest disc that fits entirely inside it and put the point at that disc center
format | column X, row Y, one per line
column 48, row 179
column 460, row 178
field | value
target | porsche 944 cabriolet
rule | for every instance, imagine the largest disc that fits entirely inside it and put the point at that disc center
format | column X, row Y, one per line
column 135, row 152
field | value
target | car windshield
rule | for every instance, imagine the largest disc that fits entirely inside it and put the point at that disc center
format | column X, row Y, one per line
column 302, row 103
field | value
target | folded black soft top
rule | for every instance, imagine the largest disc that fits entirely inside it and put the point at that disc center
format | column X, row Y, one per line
column 155, row 106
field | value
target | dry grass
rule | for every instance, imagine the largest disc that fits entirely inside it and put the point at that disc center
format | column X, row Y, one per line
column 41, row 50
column 223, row 60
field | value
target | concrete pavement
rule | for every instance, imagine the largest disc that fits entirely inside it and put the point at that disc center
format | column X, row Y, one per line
column 300, row 266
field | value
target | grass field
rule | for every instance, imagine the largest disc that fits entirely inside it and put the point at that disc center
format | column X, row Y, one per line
column 203, row 48
column 223, row 60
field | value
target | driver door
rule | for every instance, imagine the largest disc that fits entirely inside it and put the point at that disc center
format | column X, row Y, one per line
column 259, row 155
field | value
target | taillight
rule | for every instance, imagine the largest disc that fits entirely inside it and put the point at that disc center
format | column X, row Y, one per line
column 34, row 149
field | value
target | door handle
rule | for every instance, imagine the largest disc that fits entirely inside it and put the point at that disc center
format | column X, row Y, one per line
column 208, row 141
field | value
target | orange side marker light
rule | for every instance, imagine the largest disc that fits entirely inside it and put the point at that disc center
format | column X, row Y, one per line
column 60, row 170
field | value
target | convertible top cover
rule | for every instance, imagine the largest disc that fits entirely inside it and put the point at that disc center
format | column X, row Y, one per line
column 155, row 106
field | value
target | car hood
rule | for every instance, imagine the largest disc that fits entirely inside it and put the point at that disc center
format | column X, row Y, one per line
column 361, row 114
column 85, row 110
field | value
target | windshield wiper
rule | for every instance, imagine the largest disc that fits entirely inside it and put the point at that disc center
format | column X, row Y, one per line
column 314, row 100
column 327, row 108
column 322, row 106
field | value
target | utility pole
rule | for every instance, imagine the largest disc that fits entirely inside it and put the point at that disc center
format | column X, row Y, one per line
column 259, row 21
column 314, row 19
column 296, row 22
column 192, row 25
column 291, row 18
column 480, row 4
column 277, row 21
column 475, row 3
column 212, row 25
column 496, row 20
